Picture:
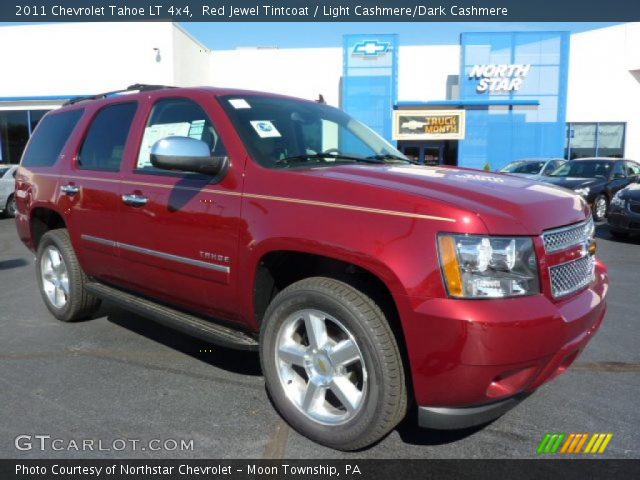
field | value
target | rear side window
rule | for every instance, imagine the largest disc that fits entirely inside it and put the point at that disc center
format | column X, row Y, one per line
column 103, row 146
column 49, row 138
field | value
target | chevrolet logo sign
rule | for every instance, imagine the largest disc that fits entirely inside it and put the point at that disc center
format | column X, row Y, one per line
column 371, row 48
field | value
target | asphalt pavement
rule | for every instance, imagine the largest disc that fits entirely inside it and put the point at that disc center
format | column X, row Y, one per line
column 119, row 380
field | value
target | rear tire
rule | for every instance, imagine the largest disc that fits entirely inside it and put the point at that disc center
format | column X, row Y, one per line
column 61, row 281
column 332, row 365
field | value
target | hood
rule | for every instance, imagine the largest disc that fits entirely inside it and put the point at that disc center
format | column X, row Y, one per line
column 506, row 204
column 574, row 182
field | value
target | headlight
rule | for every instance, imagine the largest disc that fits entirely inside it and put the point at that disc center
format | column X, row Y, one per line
column 617, row 200
column 582, row 191
column 476, row 266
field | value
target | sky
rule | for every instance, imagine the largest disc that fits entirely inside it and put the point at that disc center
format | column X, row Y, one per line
column 228, row 35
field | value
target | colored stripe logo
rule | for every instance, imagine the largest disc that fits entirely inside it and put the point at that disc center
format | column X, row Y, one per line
column 573, row 443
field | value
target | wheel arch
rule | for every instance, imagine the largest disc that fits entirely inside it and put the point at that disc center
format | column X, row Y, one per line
column 275, row 269
column 41, row 220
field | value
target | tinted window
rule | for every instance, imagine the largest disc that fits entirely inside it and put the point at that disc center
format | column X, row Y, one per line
column 49, row 138
column 618, row 169
column 585, row 169
column 523, row 167
column 3, row 170
column 103, row 146
column 177, row 117
column 633, row 169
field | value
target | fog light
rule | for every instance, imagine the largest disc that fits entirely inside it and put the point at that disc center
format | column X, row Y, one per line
column 565, row 364
column 511, row 382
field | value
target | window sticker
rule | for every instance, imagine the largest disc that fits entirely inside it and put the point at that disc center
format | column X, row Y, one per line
column 239, row 103
column 154, row 133
column 196, row 129
column 265, row 129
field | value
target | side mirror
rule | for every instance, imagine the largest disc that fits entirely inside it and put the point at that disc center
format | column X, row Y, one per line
column 186, row 154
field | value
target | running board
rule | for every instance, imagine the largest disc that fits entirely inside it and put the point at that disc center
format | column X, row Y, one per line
column 184, row 322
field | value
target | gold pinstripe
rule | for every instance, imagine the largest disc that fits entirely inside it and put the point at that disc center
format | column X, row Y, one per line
column 256, row 196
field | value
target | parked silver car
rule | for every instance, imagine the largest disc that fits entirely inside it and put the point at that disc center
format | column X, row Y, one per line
column 534, row 168
column 7, row 189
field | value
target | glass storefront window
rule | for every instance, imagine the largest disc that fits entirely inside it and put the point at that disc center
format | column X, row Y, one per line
column 35, row 116
column 14, row 133
column 594, row 140
column 15, row 129
column 582, row 140
column 611, row 140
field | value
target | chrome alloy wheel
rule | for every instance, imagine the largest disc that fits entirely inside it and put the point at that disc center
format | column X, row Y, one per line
column 321, row 367
column 601, row 208
column 55, row 277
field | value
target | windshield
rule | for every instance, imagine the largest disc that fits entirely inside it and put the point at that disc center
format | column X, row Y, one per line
column 285, row 133
column 522, row 167
column 584, row 169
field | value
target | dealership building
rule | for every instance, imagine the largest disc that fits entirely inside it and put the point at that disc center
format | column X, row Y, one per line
column 489, row 99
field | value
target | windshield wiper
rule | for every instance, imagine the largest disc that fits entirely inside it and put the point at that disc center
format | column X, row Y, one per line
column 389, row 156
column 323, row 156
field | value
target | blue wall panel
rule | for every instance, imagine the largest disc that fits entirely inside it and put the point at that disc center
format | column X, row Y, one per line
column 498, row 134
column 370, row 79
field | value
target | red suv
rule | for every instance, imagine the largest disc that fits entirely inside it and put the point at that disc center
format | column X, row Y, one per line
column 369, row 285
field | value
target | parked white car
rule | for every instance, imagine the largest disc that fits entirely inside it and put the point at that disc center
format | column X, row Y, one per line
column 7, row 189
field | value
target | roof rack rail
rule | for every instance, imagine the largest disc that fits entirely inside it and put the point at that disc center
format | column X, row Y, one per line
column 140, row 87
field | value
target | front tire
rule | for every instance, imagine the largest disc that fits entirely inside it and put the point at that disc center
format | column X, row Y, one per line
column 332, row 364
column 61, row 280
column 600, row 208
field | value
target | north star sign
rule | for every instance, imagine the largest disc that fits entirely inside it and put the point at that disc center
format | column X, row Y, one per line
column 499, row 78
column 371, row 48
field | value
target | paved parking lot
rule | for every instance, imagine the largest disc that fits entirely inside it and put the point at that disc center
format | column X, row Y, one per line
column 119, row 376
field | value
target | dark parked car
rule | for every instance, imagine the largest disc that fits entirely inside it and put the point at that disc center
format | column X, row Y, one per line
column 533, row 168
column 624, row 213
column 596, row 179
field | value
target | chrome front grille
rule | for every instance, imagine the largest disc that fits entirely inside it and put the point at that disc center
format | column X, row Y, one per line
column 572, row 276
column 565, row 237
column 569, row 277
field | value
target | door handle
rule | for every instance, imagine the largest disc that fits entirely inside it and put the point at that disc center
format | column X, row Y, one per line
column 69, row 189
column 135, row 200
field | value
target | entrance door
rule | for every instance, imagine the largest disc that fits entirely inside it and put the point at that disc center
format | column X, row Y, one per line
column 430, row 153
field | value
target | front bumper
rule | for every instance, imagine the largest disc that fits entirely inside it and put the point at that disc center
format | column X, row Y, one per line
column 444, row 418
column 472, row 360
column 624, row 220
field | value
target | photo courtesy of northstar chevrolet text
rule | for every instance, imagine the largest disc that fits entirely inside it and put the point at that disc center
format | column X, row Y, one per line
column 227, row 235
